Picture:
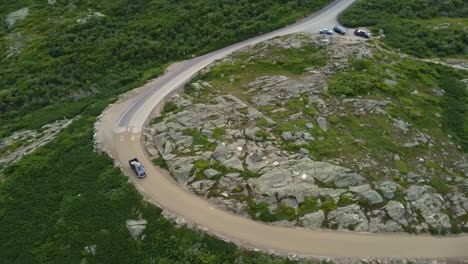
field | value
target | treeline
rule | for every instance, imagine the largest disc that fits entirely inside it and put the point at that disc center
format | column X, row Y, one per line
column 406, row 25
column 66, row 62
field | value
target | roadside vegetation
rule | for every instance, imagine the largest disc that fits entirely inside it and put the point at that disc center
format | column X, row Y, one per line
column 65, row 197
column 422, row 28
column 52, row 67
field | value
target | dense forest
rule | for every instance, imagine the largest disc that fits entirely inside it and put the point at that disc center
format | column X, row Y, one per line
column 64, row 64
column 65, row 196
column 424, row 28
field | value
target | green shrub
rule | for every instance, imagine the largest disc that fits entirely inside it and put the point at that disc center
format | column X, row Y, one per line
column 309, row 205
column 170, row 107
column 284, row 212
column 328, row 204
column 201, row 164
column 440, row 185
column 160, row 162
column 345, row 200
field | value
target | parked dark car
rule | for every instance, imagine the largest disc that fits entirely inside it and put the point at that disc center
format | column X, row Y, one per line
column 361, row 33
column 339, row 30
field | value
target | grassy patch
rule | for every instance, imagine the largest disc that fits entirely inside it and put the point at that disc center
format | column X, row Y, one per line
column 199, row 139
column 219, row 132
column 440, row 185
column 402, row 167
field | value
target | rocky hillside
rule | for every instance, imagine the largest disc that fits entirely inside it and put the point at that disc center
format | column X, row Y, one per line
column 322, row 133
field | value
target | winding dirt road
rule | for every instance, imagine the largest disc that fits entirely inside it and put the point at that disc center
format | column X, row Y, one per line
column 119, row 134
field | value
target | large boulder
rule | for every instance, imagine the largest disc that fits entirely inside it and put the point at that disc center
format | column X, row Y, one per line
column 387, row 188
column 415, row 192
column 221, row 153
column 349, row 216
column 210, row 173
column 282, row 182
column 322, row 122
column 367, row 193
column 396, row 211
column 254, row 162
column 298, row 180
column 181, row 167
column 329, row 173
column 313, row 220
column 430, row 207
column 234, row 163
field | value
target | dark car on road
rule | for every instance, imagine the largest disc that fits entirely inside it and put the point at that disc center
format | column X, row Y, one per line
column 361, row 33
column 137, row 168
column 339, row 30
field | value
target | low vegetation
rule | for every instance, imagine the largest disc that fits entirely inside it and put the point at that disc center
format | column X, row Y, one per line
column 64, row 197
column 422, row 28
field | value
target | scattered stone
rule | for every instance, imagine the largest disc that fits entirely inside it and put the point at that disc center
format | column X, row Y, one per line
column 91, row 249
column 322, row 122
column 286, row 135
column 210, row 173
column 233, row 163
column 254, row 162
column 89, row 17
column 402, row 125
column 136, row 227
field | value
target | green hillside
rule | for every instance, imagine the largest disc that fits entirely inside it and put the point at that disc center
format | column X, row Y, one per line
column 424, row 28
column 66, row 56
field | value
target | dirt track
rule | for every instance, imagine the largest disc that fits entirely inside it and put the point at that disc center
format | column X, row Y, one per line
column 119, row 134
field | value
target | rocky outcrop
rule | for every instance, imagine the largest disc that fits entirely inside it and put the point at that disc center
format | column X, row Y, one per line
column 31, row 140
column 276, row 145
column 13, row 17
column 299, row 179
